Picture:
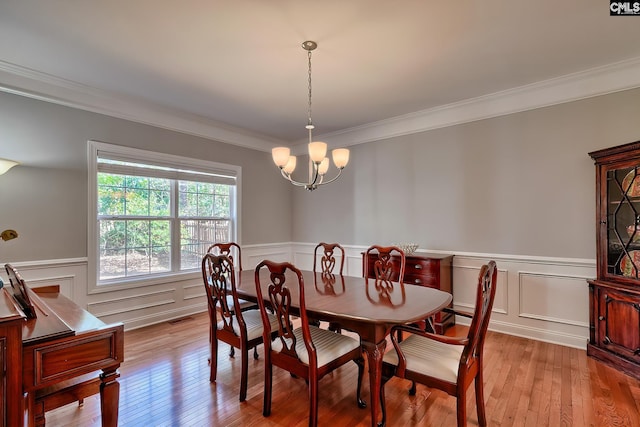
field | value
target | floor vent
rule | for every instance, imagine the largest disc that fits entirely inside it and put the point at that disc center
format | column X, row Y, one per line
column 179, row 320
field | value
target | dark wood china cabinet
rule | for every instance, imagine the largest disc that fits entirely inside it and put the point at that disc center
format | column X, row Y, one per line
column 614, row 296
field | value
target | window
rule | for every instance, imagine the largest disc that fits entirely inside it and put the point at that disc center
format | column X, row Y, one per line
column 155, row 215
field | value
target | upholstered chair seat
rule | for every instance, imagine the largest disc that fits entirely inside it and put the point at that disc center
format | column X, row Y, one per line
column 329, row 345
column 253, row 322
column 429, row 357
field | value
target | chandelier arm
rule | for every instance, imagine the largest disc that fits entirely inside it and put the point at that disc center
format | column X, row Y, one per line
column 332, row 179
column 315, row 175
column 292, row 181
column 284, row 174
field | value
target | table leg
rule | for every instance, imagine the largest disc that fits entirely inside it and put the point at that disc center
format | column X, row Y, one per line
column 109, row 397
column 374, row 358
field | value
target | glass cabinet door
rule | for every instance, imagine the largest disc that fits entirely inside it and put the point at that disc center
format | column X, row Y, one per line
column 623, row 222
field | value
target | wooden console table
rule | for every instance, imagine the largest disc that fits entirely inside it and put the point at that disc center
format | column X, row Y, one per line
column 63, row 343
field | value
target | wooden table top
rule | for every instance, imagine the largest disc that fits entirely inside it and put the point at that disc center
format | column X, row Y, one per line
column 356, row 298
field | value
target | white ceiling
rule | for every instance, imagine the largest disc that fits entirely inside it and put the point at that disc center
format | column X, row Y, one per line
column 234, row 69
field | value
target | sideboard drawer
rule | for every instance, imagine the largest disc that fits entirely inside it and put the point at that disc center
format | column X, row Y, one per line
column 422, row 280
column 419, row 266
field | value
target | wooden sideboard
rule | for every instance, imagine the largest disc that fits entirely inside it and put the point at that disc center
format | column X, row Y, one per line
column 430, row 270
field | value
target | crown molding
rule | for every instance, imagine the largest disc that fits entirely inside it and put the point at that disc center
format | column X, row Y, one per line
column 34, row 84
column 598, row 81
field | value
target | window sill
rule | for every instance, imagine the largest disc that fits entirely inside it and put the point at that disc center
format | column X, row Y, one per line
column 139, row 282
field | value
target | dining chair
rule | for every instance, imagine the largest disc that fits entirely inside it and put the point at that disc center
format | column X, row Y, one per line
column 228, row 249
column 385, row 270
column 239, row 329
column 326, row 266
column 307, row 351
column 328, row 260
column 447, row 363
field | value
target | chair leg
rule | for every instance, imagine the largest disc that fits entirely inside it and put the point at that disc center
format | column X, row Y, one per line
column 482, row 417
column 412, row 390
column 313, row 402
column 244, row 374
column 335, row 327
column 268, row 372
column 360, row 363
column 429, row 325
column 213, row 362
column 461, row 405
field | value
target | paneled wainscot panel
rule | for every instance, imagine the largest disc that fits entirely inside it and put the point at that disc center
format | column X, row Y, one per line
column 465, row 286
column 554, row 298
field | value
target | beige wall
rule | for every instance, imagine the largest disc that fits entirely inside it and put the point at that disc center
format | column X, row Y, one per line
column 521, row 184
column 517, row 188
column 45, row 199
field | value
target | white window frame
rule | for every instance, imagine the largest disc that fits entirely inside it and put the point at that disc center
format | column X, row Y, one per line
column 96, row 149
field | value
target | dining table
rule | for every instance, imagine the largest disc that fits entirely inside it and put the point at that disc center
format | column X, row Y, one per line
column 362, row 305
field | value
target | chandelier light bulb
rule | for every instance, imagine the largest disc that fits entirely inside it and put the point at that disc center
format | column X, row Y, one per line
column 280, row 156
column 317, row 151
column 324, row 166
column 291, row 165
column 340, row 157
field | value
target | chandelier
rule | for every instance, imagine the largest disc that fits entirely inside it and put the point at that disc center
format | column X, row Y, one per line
column 318, row 162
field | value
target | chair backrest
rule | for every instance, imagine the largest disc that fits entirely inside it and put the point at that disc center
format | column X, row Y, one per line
column 384, row 269
column 286, row 284
column 485, row 295
column 227, row 249
column 328, row 260
column 219, row 281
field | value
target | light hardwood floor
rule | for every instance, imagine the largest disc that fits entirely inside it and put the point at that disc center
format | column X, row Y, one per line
column 165, row 382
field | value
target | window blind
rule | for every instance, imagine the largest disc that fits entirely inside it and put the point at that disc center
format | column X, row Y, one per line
column 122, row 165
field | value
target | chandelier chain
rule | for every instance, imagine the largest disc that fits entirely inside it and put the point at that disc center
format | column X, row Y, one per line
column 309, row 80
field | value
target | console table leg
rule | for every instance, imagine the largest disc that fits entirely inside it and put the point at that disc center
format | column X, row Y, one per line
column 109, row 397
column 33, row 418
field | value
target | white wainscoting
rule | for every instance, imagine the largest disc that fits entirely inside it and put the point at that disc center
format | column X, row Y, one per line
column 546, row 299
column 540, row 298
